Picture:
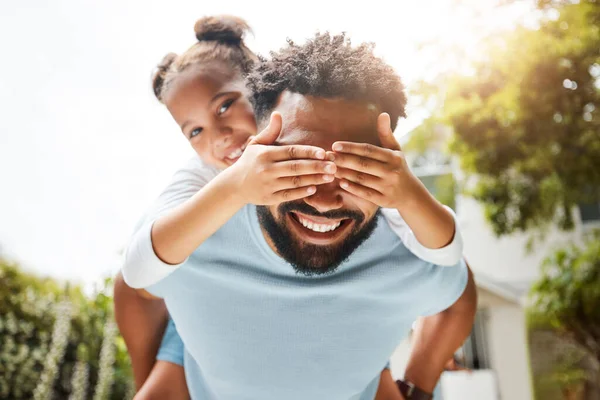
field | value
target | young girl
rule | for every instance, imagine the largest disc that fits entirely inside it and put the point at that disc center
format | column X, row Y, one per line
column 204, row 91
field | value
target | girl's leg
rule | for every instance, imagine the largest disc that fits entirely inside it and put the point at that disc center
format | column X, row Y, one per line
column 166, row 381
column 142, row 323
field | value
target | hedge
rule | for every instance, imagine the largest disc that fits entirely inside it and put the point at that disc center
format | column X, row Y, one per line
column 58, row 343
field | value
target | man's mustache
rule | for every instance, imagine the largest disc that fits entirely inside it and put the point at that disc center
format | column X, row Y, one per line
column 306, row 209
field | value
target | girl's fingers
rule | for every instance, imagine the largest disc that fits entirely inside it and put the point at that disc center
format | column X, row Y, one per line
column 302, row 167
column 366, row 193
column 360, row 163
column 270, row 134
column 365, row 150
column 361, row 178
column 300, row 181
column 292, row 194
column 386, row 135
column 295, row 152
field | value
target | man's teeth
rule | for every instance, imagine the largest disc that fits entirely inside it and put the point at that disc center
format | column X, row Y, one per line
column 235, row 154
column 318, row 227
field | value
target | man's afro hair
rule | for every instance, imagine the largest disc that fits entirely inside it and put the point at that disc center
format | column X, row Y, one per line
column 327, row 66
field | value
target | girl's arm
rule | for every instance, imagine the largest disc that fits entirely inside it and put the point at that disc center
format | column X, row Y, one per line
column 142, row 266
column 448, row 255
column 194, row 207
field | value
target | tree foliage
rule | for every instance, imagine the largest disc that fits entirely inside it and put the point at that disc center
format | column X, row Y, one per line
column 568, row 294
column 526, row 119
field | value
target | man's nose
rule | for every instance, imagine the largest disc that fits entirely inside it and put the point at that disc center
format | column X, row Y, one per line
column 327, row 197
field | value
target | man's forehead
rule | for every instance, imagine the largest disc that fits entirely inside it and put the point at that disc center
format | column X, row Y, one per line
column 320, row 122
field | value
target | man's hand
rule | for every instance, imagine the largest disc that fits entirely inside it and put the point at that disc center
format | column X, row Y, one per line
column 378, row 174
column 454, row 365
column 268, row 174
column 437, row 337
column 387, row 390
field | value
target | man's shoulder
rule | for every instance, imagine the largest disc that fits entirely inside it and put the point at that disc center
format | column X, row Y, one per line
column 238, row 232
column 384, row 235
column 382, row 244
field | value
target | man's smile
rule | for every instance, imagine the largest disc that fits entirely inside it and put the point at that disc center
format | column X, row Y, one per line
column 319, row 230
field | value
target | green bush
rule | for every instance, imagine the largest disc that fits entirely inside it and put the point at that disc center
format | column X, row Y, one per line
column 565, row 302
column 568, row 294
column 55, row 342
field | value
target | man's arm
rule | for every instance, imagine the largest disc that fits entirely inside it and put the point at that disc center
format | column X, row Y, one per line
column 437, row 337
column 387, row 389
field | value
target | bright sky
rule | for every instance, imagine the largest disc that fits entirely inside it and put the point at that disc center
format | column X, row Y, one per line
column 85, row 147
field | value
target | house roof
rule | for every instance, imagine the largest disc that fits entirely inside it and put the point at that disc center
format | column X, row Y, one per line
column 500, row 289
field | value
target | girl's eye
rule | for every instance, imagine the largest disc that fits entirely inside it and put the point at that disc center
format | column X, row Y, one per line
column 225, row 106
column 195, row 132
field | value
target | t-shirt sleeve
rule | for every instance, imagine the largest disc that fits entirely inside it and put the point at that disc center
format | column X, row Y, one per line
column 171, row 348
column 142, row 267
column 445, row 256
column 442, row 287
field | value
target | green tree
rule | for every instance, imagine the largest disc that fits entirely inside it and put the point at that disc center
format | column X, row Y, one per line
column 567, row 297
column 526, row 119
column 568, row 294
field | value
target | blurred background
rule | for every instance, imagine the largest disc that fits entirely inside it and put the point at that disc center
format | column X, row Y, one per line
column 503, row 126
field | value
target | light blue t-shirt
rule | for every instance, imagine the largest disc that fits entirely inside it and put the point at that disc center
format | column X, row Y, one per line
column 254, row 329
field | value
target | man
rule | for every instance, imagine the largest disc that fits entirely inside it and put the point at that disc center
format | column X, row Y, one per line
column 308, row 299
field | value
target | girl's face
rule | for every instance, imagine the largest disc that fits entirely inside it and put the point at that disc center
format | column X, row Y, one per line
column 211, row 107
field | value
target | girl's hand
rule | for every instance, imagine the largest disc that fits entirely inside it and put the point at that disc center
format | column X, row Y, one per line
column 269, row 174
column 378, row 174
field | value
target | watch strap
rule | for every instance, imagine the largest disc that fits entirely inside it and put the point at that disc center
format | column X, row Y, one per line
column 412, row 392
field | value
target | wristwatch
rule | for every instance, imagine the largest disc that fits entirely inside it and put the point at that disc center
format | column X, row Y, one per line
column 411, row 392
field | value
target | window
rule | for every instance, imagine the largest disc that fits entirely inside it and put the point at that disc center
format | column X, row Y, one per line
column 474, row 353
column 589, row 212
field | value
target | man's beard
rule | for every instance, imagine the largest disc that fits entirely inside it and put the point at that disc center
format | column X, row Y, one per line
column 307, row 258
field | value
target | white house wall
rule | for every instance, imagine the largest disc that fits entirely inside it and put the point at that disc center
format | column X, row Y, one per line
column 506, row 344
column 504, row 260
column 509, row 355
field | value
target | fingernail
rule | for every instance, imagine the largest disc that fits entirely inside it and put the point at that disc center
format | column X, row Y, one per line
column 328, row 178
column 337, row 147
column 330, row 169
column 331, row 157
column 320, row 155
column 344, row 185
column 311, row 190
